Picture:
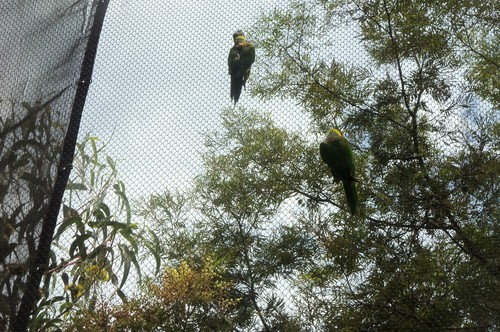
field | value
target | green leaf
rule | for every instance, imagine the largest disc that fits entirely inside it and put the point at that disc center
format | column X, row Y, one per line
column 153, row 247
column 65, row 307
column 27, row 106
column 65, row 278
column 69, row 212
column 115, row 225
column 105, row 209
column 137, row 266
column 22, row 161
column 37, row 322
column 122, row 295
column 92, row 178
column 66, row 223
column 130, row 237
column 111, row 164
column 76, row 186
column 79, row 242
column 8, row 159
column 94, row 148
column 120, row 191
column 114, row 279
column 32, row 179
column 102, row 214
column 55, row 299
column 126, row 261
column 16, row 213
column 52, row 257
column 97, row 251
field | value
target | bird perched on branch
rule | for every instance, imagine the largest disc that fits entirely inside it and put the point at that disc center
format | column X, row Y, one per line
column 336, row 152
column 240, row 60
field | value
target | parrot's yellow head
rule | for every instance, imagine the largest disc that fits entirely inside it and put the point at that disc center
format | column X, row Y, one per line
column 239, row 37
column 240, row 40
column 334, row 133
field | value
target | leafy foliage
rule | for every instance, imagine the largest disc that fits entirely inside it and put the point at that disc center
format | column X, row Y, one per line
column 96, row 244
column 30, row 145
column 183, row 297
column 411, row 118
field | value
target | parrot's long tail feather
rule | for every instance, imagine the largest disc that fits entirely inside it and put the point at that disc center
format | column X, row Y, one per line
column 351, row 195
column 236, row 85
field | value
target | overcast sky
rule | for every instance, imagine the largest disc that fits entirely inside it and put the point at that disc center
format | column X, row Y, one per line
column 160, row 80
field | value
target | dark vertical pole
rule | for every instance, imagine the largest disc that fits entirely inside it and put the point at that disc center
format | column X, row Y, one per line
column 40, row 261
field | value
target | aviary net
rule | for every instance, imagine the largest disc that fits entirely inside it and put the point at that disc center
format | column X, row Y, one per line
column 301, row 165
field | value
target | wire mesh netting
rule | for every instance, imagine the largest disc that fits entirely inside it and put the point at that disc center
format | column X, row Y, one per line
column 188, row 211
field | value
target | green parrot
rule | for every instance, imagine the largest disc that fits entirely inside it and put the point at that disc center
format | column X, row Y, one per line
column 336, row 152
column 240, row 59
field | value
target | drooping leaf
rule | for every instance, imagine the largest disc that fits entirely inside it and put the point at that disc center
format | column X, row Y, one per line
column 76, row 186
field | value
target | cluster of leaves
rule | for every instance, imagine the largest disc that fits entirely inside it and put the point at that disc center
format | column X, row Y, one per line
column 188, row 297
column 95, row 244
column 30, row 145
column 91, row 247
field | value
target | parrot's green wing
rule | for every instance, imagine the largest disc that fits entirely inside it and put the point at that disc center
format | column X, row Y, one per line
column 336, row 152
column 232, row 58
column 328, row 156
column 240, row 60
